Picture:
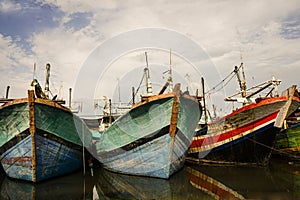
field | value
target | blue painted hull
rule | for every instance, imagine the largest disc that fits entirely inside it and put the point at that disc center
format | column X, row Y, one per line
column 140, row 142
column 53, row 159
column 40, row 139
column 152, row 158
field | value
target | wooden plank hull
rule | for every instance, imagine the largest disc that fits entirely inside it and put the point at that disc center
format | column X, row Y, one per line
column 288, row 142
column 53, row 159
column 53, row 149
column 140, row 142
column 245, row 136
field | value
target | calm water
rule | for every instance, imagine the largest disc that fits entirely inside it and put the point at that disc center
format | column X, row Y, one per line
column 280, row 180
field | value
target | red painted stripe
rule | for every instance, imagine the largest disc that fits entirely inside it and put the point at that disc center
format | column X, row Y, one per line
column 260, row 102
column 207, row 139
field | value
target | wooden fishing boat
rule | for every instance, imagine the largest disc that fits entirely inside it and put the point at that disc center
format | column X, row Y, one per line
column 287, row 142
column 153, row 137
column 247, row 135
column 40, row 138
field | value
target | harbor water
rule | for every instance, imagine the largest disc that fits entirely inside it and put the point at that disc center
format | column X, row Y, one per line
column 279, row 180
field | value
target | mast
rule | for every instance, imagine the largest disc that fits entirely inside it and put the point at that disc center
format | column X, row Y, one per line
column 204, row 104
column 7, row 91
column 70, row 96
column 242, row 83
column 147, row 74
column 47, row 80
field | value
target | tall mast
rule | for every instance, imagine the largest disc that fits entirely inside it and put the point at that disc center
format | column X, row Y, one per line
column 147, row 74
column 242, row 83
column 47, row 80
column 170, row 80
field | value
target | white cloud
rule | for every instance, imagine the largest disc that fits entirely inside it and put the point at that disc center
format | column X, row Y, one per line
column 16, row 67
column 9, row 6
column 223, row 28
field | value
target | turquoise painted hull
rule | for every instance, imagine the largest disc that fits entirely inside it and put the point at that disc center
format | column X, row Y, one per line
column 139, row 142
column 56, row 143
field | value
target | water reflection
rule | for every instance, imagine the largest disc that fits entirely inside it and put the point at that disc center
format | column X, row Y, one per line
column 120, row 186
column 73, row 186
column 279, row 181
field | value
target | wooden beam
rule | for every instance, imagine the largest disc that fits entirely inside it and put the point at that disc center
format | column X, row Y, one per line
column 32, row 132
column 174, row 117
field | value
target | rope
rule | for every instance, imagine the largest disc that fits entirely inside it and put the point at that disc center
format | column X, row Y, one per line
column 272, row 148
column 228, row 76
column 130, row 102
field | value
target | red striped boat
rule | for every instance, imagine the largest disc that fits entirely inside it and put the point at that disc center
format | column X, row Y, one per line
column 247, row 135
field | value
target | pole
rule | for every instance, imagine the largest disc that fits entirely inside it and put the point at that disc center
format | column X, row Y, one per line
column 47, row 80
column 204, row 105
column 110, row 120
column 70, row 95
column 32, row 132
column 7, row 91
column 148, row 82
column 133, row 96
column 83, row 154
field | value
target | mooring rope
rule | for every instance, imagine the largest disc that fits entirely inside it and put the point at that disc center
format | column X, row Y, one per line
column 274, row 149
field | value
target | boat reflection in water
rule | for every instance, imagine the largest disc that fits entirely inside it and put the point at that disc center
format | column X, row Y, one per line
column 120, row 186
column 211, row 186
column 73, row 186
column 236, row 182
column 279, row 181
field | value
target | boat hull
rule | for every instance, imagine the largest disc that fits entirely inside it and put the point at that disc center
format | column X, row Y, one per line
column 288, row 142
column 245, row 136
column 53, row 159
column 42, row 145
column 139, row 143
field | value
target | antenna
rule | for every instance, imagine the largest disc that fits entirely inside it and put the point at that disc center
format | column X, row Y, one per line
column 119, row 93
column 170, row 79
column 34, row 68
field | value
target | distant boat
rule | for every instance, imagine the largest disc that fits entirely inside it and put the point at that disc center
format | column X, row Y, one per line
column 247, row 135
column 111, row 112
column 287, row 142
column 40, row 138
column 153, row 137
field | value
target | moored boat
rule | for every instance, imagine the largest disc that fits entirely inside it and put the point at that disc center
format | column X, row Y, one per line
column 287, row 142
column 40, row 138
column 247, row 135
column 153, row 137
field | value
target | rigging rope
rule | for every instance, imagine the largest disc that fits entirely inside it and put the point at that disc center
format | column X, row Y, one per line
column 130, row 102
column 229, row 76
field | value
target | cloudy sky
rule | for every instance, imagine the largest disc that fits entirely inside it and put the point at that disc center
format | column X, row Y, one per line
column 65, row 33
